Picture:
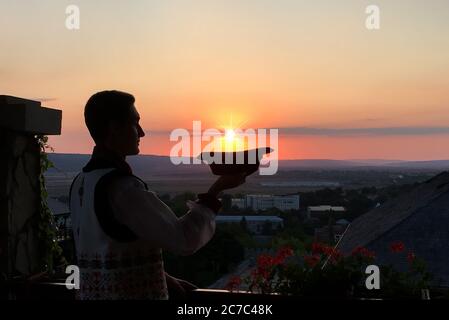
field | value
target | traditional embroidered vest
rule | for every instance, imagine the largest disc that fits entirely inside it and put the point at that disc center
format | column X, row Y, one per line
column 113, row 263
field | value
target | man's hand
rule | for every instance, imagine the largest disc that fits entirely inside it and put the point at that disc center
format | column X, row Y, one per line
column 227, row 182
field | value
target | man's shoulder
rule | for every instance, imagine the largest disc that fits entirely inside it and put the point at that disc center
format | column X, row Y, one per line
column 122, row 183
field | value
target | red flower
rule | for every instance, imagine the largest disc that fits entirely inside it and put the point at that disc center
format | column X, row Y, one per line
column 328, row 250
column 335, row 255
column 363, row 252
column 285, row 252
column 265, row 266
column 397, row 247
column 233, row 283
column 411, row 257
column 279, row 260
column 260, row 273
column 311, row 260
column 265, row 261
column 317, row 248
column 282, row 254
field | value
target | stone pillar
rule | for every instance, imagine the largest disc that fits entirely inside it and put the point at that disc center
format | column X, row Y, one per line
column 20, row 121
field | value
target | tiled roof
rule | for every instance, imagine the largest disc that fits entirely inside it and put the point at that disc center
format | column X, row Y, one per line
column 419, row 219
column 382, row 219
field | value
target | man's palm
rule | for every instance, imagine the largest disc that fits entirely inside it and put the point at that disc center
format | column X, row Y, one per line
column 227, row 182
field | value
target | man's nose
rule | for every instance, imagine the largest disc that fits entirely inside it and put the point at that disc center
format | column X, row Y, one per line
column 141, row 132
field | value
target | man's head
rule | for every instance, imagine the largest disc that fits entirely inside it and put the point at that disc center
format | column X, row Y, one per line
column 113, row 122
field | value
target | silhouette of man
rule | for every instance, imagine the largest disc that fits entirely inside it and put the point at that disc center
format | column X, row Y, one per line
column 120, row 227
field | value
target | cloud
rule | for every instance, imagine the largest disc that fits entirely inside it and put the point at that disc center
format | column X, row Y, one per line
column 168, row 132
column 44, row 99
column 372, row 131
column 382, row 131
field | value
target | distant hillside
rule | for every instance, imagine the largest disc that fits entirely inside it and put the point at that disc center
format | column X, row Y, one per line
column 316, row 163
column 150, row 165
column 438, row 165
column 435, row 164
column 144, row 165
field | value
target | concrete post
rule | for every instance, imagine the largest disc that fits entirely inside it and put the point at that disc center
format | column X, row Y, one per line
column 20, row 121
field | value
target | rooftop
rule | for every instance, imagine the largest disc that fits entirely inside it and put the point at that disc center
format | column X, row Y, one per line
column 248, row 218
column 325, row 208
column 419, row 219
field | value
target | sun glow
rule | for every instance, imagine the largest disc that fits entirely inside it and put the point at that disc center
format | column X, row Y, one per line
column 232, row 140
column 230, row 135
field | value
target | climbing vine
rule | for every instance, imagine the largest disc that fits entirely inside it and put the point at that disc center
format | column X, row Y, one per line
column 51, row 252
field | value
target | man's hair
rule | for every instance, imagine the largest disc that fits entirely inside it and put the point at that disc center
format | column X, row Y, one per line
column 104, row 107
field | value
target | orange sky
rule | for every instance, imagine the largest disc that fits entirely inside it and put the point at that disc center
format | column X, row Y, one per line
column 263, row 64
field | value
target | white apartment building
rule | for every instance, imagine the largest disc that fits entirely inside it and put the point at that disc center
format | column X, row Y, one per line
column 239, row 203
column 265, row 202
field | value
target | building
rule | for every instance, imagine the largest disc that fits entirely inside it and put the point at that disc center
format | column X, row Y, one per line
column 418, row 218
column 260, row 202
column 264, row 202
column 285, row 203
column 238, row 203
column 255, row 224
column 315, row 212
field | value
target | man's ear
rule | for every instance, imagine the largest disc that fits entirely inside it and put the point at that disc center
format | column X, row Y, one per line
column 113, row 127
column 111, row 130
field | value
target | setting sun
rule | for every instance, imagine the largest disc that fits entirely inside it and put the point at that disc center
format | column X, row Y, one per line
column 232, row 141
column 230, row 135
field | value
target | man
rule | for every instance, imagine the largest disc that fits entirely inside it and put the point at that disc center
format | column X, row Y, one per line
column 120, row 227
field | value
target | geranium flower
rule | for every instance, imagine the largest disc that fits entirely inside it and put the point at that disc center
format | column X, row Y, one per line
column 265, row 261
column 282, row 254
column 363, row 252
column 335, row 255
column 311, row 260
column 397, row 247
column 285, row 252
column 317, row 248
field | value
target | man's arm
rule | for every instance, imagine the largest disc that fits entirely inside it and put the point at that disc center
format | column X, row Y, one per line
column 152, row 220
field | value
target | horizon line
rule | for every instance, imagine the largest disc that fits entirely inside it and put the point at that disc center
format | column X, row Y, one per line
column 295, row 159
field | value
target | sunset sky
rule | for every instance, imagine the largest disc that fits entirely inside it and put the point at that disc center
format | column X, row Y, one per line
column 334, row 89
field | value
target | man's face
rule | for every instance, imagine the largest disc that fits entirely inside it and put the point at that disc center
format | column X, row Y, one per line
column 125, row 137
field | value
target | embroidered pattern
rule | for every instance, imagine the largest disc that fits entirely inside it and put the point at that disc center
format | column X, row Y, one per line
column 113, row 277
